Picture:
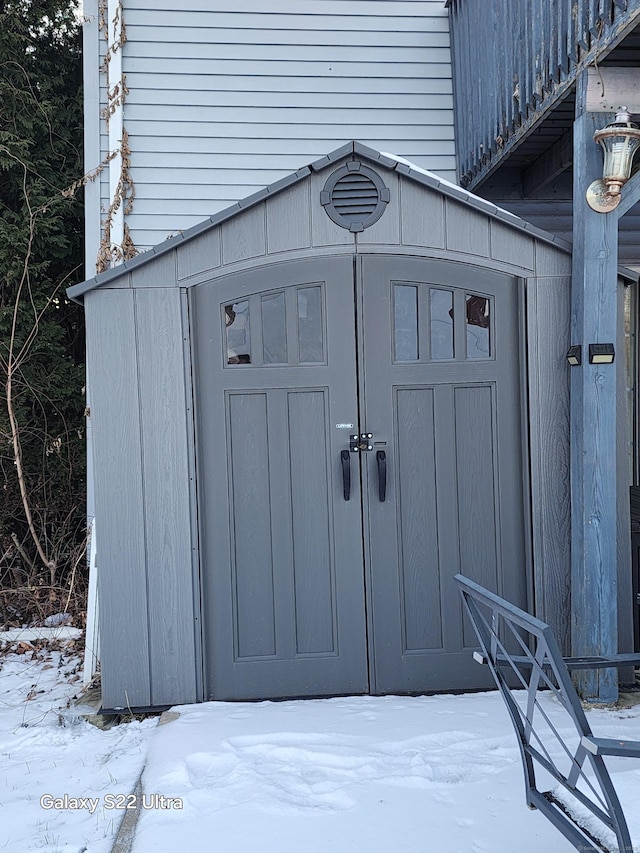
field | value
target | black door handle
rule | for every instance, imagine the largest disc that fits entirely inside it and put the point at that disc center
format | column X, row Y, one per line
column 346, row 474
column 381, row 459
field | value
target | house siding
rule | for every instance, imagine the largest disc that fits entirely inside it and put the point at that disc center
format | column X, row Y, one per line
column 222, row 102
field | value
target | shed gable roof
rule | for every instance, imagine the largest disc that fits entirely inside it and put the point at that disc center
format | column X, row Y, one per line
column 390, row 161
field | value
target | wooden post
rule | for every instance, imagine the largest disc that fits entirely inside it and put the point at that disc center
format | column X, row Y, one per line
column 594, row 609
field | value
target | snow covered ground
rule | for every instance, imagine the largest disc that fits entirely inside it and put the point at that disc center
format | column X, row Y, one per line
column 438, row 774
column 41, row 757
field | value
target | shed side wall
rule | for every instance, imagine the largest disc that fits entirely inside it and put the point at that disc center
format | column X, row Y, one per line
column 623, row 434
column 163, row 420
column 141, row 453
column 117, row 453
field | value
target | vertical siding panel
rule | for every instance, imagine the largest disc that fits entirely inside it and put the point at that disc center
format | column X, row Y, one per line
column 526, row 90
column 324, row 231
column 422, row 216
column 458, row 68
column 387, row 228
column 467, row 231
column 572, row 32
column 158, row 273
column 477, row 105
column 508, row 245
column 244, row 236
column 115, row 416
column 289, row 220
column 546, row 42
column 554, row 65
column 551, row 261
column 166, row 493
column 494, row 95
column 625, row 590
column 548, row 328
column 502, row 96
column 200, row 255
column 509, row 77
column 563, row 12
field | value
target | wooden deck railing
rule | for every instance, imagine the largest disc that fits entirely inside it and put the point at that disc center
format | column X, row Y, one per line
column 513, row 60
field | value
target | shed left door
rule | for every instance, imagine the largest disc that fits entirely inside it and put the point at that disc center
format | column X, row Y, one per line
column 277, row 398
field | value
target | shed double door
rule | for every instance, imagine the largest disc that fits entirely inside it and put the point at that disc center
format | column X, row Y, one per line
column 358, row 444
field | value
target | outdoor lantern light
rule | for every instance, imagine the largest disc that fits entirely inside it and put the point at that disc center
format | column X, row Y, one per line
column 601, row 353
column 574, row 355
column 620, row 141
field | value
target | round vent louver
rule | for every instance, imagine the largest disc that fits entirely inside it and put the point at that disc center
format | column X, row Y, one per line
column 354, row 196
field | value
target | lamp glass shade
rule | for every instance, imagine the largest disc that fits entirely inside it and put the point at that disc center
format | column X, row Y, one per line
column 619, row 141
column 618, row 156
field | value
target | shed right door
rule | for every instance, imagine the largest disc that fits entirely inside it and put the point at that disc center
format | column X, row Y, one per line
column 439, row 392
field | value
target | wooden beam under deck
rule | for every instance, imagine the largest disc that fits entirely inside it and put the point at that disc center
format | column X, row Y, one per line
column 552, row 163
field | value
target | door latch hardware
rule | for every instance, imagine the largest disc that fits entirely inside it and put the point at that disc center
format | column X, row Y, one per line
column 360, row 442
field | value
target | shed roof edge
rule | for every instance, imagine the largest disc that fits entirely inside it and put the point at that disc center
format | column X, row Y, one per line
column 391, row 161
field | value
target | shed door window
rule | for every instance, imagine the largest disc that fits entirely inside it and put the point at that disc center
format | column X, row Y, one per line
column 280, row 328
column 478, row 326
column 440, row 324
column 238, row 336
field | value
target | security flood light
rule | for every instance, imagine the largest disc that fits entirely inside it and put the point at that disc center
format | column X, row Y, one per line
column 620, row 141
column 601, row 353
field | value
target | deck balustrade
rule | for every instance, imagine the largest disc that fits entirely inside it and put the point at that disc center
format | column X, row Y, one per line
column 515, row 61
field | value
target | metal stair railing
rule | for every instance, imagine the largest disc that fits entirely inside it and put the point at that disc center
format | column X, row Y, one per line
column 523, row 655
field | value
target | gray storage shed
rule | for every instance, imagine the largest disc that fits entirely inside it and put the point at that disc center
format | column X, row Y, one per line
column 309, row 413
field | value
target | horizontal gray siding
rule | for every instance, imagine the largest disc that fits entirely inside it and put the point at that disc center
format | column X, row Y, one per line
column 310, row 28
column 428, row 81
column 222, row 103
column 357, row 9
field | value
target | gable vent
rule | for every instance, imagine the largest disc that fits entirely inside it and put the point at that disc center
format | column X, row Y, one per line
column 354, row 196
